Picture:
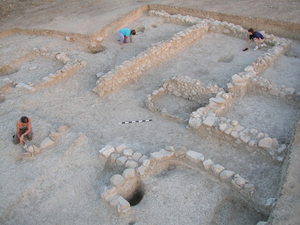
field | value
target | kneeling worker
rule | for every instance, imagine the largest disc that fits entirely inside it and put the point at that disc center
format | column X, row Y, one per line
column 23, row 130
column 124, row 34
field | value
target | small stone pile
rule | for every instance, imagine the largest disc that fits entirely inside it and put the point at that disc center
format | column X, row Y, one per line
column 138, row 166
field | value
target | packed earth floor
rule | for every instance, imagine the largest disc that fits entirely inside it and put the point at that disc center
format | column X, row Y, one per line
column 65, row 181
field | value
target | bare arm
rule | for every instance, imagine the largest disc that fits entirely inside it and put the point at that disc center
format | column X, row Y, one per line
column 18, row 130
column 248, row 43
column 28, row 127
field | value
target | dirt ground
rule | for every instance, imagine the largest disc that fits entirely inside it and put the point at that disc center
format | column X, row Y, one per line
column 63, row 184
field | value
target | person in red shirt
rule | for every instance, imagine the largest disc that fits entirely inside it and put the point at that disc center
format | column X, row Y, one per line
column 23, row 130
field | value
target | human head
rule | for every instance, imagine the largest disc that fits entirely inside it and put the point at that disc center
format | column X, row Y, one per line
column 132, row 32
column 251, row 31
column 24, row 119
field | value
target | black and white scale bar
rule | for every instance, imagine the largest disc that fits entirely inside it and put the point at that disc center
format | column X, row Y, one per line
column 136, row 121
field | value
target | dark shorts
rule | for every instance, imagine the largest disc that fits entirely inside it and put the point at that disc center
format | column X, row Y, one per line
column 29, row 136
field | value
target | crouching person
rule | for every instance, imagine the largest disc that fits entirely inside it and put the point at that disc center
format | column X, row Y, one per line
column 23, row 130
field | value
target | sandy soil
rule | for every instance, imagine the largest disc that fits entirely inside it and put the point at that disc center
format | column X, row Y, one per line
column 64, row 183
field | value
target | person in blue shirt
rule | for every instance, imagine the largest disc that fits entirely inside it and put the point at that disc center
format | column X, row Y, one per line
column 124, row 34
column 258, row 39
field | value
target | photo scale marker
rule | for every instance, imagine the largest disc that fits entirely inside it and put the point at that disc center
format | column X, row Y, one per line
column 136, row 121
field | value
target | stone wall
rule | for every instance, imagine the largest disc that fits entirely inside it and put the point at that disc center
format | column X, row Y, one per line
column 278, row 28
column 153, row 56
column 187, row 88
column 70, row 66
column 137, row 167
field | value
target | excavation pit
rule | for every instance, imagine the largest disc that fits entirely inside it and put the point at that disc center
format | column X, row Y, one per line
column 136, row 197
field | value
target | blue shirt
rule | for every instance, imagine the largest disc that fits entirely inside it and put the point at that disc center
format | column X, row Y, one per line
column 256, row 34
column 125, row 32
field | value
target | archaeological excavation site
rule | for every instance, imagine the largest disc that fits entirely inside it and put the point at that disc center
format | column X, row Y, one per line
column 179, row 127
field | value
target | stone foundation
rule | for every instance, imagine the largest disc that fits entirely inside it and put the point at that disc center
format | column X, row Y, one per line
column 137, row 167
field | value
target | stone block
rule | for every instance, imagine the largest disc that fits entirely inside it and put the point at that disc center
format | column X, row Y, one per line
column 131, row 164
column 238, row 180
column 143, row 158
column 195, row 122
column 141, row 170
column 114, row 156
column 106, row 151
column 245, row 138
column 195, row 157
column 210, row 120
column 265, row 143
column 120, row 148
column 217, row 169
column 136, row 156
column 281, row 150
column 117, row 180
column 156, row 156
column 222, row 126
column 127, row 152
column 226, row 175
column 237, row 79
column 249, row 188
column 121, row 160
column 146, row 163
column 167, row 154
column 207, row 164
column 217, row 100
column 123, row 206
column 114, row 201
column 235, row 134
column 128, row 173
column 274, row 92
column 275, row 143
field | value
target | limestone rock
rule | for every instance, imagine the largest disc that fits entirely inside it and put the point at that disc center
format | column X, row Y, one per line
column 195, row 122
column 136, row 156
column 121, row 160
column 207, row 164
column 128, row 173
column 120, row 148
column 282, row 149
column 127, row 152
column 238, row 180
column 195, row 157
column 167, row 154
column 156, row 155
column 217, row 169
column 114, row 156
column 131, row 164
column 210, row 120
column 266, row 143
column 141, row 170
column 107, row 150
column 123, row 206
column 226, row 175
column 117, row 180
